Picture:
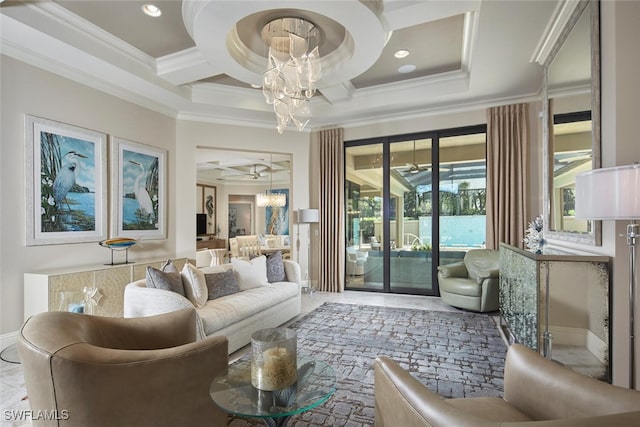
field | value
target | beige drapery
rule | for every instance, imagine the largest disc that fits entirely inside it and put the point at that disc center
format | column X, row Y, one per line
column 507, row 174
column 331, row 210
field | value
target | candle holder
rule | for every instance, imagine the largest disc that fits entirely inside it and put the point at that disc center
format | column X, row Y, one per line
column 273, row 359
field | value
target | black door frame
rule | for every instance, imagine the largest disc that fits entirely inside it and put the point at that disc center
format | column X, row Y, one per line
column 386, row 142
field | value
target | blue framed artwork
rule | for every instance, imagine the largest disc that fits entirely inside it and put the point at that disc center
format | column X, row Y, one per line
column 277, row 218
column 138, row 190
column 66, row 183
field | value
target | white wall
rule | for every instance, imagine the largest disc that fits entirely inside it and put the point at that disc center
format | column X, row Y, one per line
column 29, row 90
column 621, row 146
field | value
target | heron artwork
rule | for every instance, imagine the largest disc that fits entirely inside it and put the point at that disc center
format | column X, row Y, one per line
column 66, row 178
column 142, row 195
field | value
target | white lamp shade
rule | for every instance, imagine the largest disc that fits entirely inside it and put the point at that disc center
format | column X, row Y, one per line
column 609, row 194
column 308, row 216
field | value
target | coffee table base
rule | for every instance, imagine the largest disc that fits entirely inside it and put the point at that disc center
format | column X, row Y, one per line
column 276, row 422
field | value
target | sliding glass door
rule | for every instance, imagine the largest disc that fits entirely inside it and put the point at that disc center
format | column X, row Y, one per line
column 364, row 197
column 462, row 196
column 410, row 254
column 398, row 229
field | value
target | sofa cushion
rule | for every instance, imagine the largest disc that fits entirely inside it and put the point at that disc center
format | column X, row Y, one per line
column 227, row 310
column 195, row 285
column 275, row 268
column 167, row 278
column 221, row 284
column 252, row 273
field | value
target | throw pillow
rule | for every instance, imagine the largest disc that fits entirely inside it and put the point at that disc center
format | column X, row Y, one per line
column 169, row 267
column 195, row 285
column 275, row 268
column 250, row 274
column 221, row 284
column 167, row 278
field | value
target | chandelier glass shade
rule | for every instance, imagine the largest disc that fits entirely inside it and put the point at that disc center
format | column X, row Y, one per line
column 292, row 70
column 269, row 198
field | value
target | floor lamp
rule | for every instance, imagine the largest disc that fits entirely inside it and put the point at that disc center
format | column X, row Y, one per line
column 308, row 216
column 612, row 194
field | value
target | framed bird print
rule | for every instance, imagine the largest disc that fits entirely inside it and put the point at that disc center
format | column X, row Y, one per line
column 138, row 191
column 66, row 183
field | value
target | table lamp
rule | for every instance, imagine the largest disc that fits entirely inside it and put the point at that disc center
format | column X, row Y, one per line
column 612, row 194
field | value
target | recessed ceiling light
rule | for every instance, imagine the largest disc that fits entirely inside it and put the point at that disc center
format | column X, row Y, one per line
column 151, row 10
column 402, row 53
column 407, row 68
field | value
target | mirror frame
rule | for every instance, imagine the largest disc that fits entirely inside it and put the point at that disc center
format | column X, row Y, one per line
column 569, row 13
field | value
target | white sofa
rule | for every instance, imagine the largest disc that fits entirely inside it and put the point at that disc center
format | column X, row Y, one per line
column 235, row 316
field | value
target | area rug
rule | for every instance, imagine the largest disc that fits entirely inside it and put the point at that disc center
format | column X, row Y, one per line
column 455, row 354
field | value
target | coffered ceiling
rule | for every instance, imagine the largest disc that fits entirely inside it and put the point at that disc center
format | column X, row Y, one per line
column 198, row 60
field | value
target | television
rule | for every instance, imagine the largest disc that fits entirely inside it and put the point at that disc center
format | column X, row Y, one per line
column 201, row 224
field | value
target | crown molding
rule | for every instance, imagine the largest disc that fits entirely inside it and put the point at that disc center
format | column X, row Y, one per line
column 560, row 22
column 83, row 30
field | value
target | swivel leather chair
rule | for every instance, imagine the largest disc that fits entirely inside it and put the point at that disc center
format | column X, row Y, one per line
column 537, row 393
column 101, row 371
column 473, row 283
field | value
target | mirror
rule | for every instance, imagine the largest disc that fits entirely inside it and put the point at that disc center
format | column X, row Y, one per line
column 238, row 176
column 572, row 113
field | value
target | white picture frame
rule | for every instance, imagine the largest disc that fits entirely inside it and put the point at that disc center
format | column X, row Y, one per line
column 138, row 190
column 66, row 183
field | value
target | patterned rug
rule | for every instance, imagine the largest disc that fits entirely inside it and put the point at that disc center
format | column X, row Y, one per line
column 455, row 354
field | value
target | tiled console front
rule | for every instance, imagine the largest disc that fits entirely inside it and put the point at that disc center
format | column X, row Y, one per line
column 557, row 297
column 42, row 290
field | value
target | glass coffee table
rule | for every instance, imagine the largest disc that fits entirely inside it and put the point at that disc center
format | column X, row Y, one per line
column 232, row 392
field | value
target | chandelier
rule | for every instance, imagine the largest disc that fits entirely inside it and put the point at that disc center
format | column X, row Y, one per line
column 269, row 198
column 289, row 81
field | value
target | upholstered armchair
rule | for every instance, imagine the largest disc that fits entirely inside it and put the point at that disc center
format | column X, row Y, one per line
column 101, row 371
column 375, row 245
column 537, row 393
column 355, row 262
column 473, row 283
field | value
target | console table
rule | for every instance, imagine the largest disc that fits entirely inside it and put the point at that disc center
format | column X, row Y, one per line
column 42, row 289
column 556, row 297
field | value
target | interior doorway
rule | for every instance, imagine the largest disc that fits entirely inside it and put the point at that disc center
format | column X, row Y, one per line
column 241, row 212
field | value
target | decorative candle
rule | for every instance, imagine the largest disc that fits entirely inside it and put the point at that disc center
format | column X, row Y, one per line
column 274, row 359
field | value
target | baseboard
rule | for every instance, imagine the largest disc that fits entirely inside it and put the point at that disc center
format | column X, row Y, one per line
column 580, row 337
column 597, row 347
column 569, row 336
column 8, row 339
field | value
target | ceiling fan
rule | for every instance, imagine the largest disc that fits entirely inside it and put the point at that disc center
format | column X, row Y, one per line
column 414, row 167
column 255, row 174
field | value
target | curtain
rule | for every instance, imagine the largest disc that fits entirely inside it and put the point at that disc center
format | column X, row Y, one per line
column 507, row 172
column 331, row 270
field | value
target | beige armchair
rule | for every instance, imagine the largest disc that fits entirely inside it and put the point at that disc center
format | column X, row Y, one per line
column 537, row 393
column 472, row 284
column 100, row 371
